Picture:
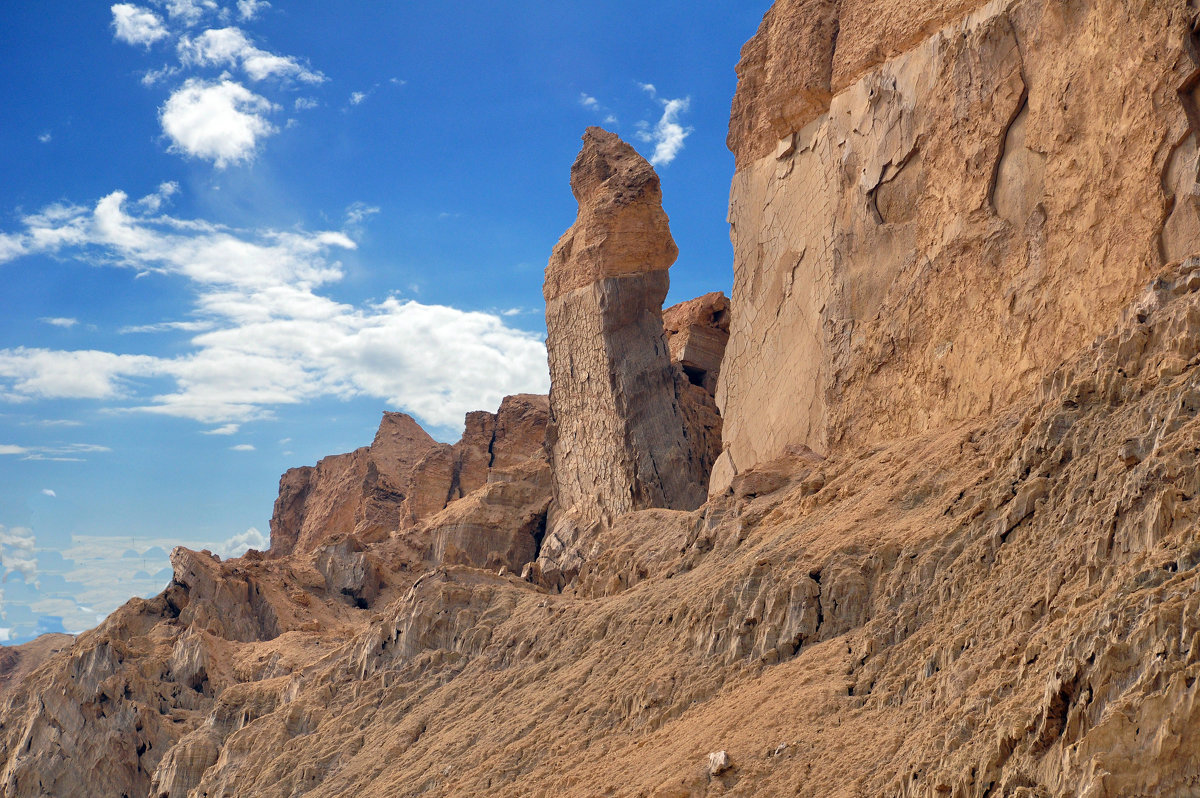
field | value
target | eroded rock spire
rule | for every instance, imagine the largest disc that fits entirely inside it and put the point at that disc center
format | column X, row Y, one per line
column 618, row 438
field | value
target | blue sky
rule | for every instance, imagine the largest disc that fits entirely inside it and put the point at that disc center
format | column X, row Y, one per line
column 232, row 233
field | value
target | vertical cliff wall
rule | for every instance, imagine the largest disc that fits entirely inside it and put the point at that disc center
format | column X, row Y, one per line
column 926, row 216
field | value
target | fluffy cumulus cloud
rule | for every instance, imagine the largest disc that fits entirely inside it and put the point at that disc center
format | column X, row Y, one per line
column 189, row 12
column 136, row 25
column 266, row 335
column 667, row 135
column 229, row 47
column 211, row 116
column 220, row 121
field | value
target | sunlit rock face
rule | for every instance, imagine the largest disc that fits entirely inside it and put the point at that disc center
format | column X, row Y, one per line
column 938, row 203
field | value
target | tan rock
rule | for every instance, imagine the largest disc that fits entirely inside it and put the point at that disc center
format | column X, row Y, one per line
column 923, row 247
column 403, row 478
column 697, row 331
column 499, row 525
column 618, row 438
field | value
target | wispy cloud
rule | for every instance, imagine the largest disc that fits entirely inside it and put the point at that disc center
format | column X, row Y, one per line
column 357, row 97
column 17, row 546
column 49, row 492
column 59, row 321
column 153, row 202
column 305, row 103
column 230, row 47
column 45, row 137
column 242, row 447
column 226, row 429
column 667, row 135
column 588, row 101
column 249, row 9
column 223, row 122
column 270, row 336
column 136, row 25
column 189, row 12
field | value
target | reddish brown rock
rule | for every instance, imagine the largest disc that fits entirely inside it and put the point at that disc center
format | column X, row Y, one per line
column 697, row 331
column 403, row 478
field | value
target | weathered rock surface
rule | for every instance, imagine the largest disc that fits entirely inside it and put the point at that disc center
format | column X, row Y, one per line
column 1003, row 607
column 935, row 205
column 618, row 440
column 403, row 478
column 697, row 331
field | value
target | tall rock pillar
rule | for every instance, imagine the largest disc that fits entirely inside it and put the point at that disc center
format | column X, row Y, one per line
column 617, row 434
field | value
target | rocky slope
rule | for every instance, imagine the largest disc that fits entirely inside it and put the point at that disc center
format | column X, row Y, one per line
column 951, row 544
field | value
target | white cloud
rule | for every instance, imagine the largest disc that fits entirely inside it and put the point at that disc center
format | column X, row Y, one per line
column 189, row 11
column 357, row 97
column 227, row 429
column 270, row 338
column 229, row 47
column 49, row 492
column 45, row 137
column 87, row 374
column 8, row 448
column 306, row 103
column 588, row 101
column 667, row 135
column 242, row 447
column 154, row 202
column 223, row 121
column 153, row 76
column 164, row 326
column 249, row 9
column 237, row 545
column 136, row 25
column 17, row 553
column 649, row 89
column 58, row 321
column 5, row 633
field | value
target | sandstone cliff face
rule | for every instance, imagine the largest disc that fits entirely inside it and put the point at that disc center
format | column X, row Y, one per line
column 935, row 205
column 619, row 440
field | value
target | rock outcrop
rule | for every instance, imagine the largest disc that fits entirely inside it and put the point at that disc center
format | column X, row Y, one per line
column 936, row 200
column 618, row 437
column 403, row 478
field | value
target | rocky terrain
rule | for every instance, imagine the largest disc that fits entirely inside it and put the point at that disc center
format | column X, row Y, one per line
column 939, row 539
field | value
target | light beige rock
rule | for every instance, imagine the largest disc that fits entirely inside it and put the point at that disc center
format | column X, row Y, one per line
column 403, row 478
column 967, row 207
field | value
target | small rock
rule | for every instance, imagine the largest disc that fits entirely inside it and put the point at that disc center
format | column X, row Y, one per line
column 718, row 763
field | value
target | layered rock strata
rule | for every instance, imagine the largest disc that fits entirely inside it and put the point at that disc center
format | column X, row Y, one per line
column 618, row 438
column 935, row 201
